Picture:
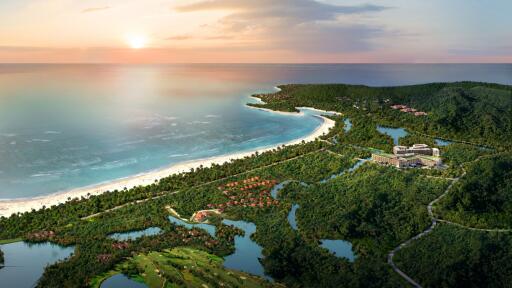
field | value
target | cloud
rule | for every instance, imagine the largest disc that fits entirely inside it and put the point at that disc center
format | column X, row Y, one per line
column 482, row 51
column 283, row 8
column 298, row 25
column 179, row 38
column 95, row 9
column 188, row 37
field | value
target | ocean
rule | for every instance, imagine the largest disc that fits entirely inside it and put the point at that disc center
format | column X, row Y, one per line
column 69, row 126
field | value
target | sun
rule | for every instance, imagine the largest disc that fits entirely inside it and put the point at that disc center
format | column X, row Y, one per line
column 136, row 41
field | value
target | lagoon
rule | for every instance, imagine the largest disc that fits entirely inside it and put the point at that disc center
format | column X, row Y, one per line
column 292, row 217
column 339, row 248
column 348, row 125
column 25, row 263
column 207, row 227
column 395, row 133
column 133, row 235
column 247, row 252
column 441, row 142
column 121, row 280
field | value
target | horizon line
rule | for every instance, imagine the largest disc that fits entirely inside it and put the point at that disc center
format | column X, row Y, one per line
column 254, row 63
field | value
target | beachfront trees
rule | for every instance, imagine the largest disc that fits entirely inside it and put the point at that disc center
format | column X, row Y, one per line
column 375, row 208
column 471, row 111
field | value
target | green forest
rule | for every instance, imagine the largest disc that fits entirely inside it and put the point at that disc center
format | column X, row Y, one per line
column 454, row 257
column 183, row 267
column 341, row 195
column 467, row 111
column 484, row 198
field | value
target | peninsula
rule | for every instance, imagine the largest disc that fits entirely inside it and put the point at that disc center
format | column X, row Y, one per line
column 313, row 213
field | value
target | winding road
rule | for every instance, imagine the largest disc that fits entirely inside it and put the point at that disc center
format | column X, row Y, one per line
column 435, row 222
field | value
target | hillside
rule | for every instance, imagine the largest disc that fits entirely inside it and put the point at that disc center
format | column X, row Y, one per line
column 476, row 112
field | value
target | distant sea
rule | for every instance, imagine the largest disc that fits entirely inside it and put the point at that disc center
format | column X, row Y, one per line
column 69, row 126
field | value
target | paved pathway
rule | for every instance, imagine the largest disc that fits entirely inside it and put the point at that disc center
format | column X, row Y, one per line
column 435, row 222
column 202, row 184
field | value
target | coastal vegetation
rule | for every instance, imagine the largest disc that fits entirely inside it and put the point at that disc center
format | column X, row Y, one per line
column 339, row 195
column 467, row 111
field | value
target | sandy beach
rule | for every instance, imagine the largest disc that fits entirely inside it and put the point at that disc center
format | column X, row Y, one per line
column 8, row 207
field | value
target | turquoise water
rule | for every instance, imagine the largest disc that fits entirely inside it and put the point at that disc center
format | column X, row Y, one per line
column 395, row 133
column 25, row 263
column 121, row 281
column 348, row 124
column 277, row 188
column 292, row 218
column 135, row 234
column 351, row 169
column 69, row 126
column 339, row 248
column 247, row 252
column 207, row 227
column 441, row 142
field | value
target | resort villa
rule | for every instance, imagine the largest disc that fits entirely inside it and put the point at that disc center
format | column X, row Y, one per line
column 410, row 110
column 415, row 156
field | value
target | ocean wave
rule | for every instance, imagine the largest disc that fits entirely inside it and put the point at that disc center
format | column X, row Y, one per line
column 8, row 135
column 115, row 164
column 76, row 148
column 131, row 142
column 177, row 155
column 186, row 135
column 212, row 116
column 211, row 150
column 199, row 122
column 87, row 162
column 38, row 140
column 44, row 174
column 161, row 136
column 255, row 139
column 52, row 132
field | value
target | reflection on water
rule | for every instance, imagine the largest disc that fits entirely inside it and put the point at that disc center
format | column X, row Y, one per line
column 348, row 125
column 25, row 263
column 340, row 248
column 351, row 169
column 207, row 227
column 121, row 281
column 395, row 133
column 292, row 217
column 247, row 252
column 73, row 126
column 441, row 142
column 66, row 126
column 133, row 235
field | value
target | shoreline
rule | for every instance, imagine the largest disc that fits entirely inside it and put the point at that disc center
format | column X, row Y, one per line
column 21, row 205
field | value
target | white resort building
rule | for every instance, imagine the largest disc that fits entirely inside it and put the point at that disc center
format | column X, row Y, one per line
column 415, row 156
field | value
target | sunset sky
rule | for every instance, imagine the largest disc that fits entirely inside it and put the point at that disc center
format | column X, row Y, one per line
column 267, row 31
